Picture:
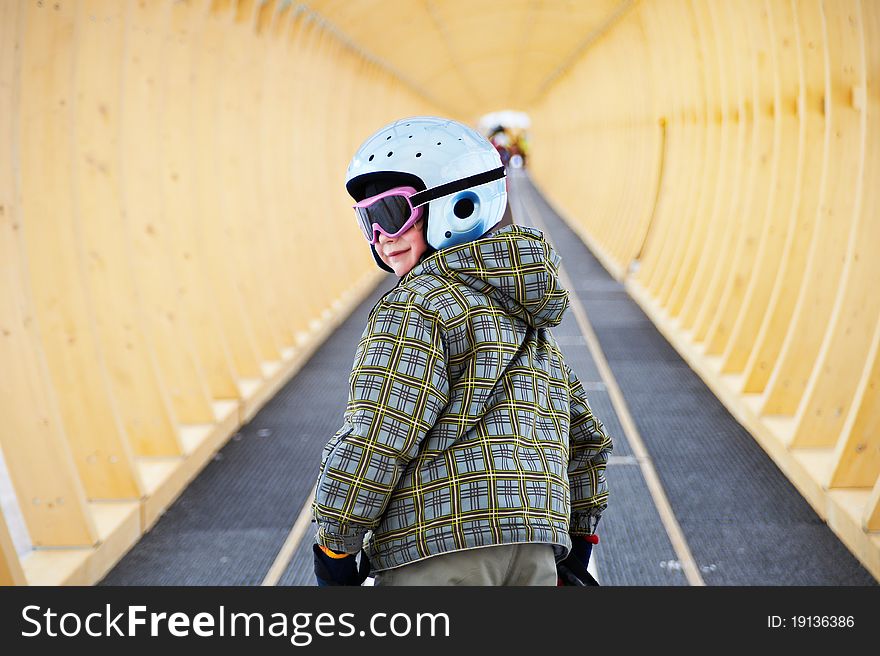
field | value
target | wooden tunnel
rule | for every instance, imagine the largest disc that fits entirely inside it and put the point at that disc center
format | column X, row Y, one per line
column 723, row 161
column 175, row 239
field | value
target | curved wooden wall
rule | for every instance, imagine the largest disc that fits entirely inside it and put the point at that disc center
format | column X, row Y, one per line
column 730, row 180
column 173, row 244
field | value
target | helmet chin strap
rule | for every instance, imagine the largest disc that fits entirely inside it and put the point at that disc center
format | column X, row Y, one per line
column 379, row 261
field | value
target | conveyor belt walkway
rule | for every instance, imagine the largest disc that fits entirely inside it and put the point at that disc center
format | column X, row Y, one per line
column 694, row 499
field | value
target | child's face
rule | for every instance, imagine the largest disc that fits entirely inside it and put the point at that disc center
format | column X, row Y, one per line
column 402, row 253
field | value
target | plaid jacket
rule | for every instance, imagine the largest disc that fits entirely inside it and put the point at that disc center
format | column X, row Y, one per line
column 464, row 426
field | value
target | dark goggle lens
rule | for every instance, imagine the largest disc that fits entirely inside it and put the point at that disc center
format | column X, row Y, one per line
column 391, row 213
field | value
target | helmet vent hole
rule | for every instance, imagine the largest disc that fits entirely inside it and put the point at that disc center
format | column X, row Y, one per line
column 371, row 157
column 463, row 208
column 388, row 137
column 410, row 136
column 448, row 234
column 418, row 154
column 390, row 153
column 438, row 143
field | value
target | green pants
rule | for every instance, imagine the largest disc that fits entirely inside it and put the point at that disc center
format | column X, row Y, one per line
column 508, row 564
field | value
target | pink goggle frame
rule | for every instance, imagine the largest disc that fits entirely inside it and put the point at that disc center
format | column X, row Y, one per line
column 391, row 218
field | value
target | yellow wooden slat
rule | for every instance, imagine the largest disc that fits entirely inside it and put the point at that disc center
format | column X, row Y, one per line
column 149, row 222
column 664, row 263
column 840, row 361
column 339, row 149
column 11, row 572
column 684, row 145
column 53, row 385
column 624, row 240
column 810, row 41
column 698, row 241
column 178, row 176
column 704, row 295
column 708, row 199
column 857, row 453
column 215, row 259
column 841, row 172
column 239, row 218
column 276, row 129
column 305, row 38
column 102, row 450
column 779, row 225
column 255, row 215
column 871, row 515
column 32, row 438
column 331, row 270
column 752, row 225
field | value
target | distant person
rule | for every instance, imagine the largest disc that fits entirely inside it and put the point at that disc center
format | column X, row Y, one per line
column 468, row 453
column 501, row 141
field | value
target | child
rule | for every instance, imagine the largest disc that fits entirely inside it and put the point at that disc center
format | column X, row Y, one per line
column 468, row 454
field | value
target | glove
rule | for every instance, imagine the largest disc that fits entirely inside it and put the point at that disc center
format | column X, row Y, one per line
column 341, row 570
column 573, row 570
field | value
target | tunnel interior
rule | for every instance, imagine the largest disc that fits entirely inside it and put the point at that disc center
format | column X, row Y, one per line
column 176, row 239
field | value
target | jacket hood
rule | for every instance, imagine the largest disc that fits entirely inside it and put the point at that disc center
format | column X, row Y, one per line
column 515, row 266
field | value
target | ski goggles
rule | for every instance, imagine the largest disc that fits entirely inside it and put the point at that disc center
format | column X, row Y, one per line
column 393, row 212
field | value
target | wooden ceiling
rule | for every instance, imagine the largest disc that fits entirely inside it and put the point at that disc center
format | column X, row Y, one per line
column 473, row 56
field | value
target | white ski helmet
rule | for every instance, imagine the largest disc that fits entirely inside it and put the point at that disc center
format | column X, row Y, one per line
column 458, row 172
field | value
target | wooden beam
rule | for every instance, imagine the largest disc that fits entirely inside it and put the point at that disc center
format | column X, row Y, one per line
column 11, row 572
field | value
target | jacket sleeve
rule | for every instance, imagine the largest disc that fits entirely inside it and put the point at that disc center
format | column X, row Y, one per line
column 589, row 448
column 397, row 389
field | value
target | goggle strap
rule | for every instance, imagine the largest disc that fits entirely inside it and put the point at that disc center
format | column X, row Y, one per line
column 461, row 184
